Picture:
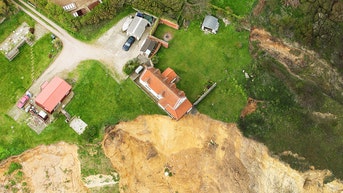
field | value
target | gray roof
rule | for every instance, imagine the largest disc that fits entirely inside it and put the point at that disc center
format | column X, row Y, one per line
column 148, row 45
column 211, row 22
column 137, row 27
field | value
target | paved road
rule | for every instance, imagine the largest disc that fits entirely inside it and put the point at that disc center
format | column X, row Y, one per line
column 106, row 49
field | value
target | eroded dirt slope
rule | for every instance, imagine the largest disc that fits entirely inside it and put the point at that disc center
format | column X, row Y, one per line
column 301, row 62
column 202, row 155
column 53, row 168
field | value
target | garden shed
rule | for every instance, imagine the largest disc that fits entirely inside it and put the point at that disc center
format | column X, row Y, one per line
column 210, row 24
column 148, row 47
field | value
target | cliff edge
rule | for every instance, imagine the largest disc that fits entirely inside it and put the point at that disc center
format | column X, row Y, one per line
column 199, row 154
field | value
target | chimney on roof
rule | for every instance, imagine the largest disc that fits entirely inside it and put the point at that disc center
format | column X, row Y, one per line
column 157, row 71
column 181, row 93
column 172, row 85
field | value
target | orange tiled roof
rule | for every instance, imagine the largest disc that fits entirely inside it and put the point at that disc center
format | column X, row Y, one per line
column 170, row 74
column 52, row 94
column 173, row 100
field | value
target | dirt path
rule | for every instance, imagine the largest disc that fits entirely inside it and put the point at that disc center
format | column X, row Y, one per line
column 106, row 50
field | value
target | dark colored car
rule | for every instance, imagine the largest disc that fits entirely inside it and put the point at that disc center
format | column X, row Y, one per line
column 129, row 43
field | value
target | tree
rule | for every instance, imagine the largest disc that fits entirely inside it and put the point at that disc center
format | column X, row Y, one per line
column 4, row 8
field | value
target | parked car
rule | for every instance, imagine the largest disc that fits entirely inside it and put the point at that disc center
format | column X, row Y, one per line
column 128, row 43
column 23, row 101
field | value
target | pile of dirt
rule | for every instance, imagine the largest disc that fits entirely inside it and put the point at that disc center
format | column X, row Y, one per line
column 250, row 107
column 53, row 168
column 198, row 154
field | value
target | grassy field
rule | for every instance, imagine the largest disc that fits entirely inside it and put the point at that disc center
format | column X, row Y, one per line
column 16, row 77
column 198, row 58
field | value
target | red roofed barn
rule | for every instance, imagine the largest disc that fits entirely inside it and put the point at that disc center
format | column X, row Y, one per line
column 52, row 94
column 162, row 86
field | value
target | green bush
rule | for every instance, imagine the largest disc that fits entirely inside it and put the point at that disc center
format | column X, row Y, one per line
column 90, row 134
column 13, row 167
column 130, row 66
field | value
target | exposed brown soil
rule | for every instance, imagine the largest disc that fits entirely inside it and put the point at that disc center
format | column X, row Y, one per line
column 259, row 7
column 250, row 107
column 53, row 168
column 202, row 155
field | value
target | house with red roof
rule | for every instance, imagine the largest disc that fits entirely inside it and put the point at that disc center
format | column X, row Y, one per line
column 162, row 86
column 52, row 93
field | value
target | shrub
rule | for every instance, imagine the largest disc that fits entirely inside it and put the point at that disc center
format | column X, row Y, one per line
column 13, row 167
column 90, row 134
column 130, row 66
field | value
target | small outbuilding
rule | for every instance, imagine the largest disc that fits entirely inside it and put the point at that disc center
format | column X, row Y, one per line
column 210, row 24
column 52, row 94
column 137, row 27
column 148, row 47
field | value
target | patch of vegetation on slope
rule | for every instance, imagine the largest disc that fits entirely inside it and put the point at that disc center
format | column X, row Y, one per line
column 315, row 24
column 238, row 7
column 311, row 125
column 295, row 115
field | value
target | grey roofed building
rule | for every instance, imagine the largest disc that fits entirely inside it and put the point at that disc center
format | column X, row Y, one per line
column 148, row 47
column 210, row 24
column 137, row 27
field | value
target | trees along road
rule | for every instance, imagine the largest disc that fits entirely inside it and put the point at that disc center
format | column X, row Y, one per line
column 107, row 49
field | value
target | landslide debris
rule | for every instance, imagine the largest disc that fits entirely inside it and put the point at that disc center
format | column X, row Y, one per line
column 301, row 63
column 199, row 154
column 53, row 168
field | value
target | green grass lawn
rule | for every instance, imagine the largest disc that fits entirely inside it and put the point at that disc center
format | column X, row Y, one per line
column 16, row 79
column 100, row 101
column 197, row 58
column 105, row 102
column 238, row 7
column 162, row 30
